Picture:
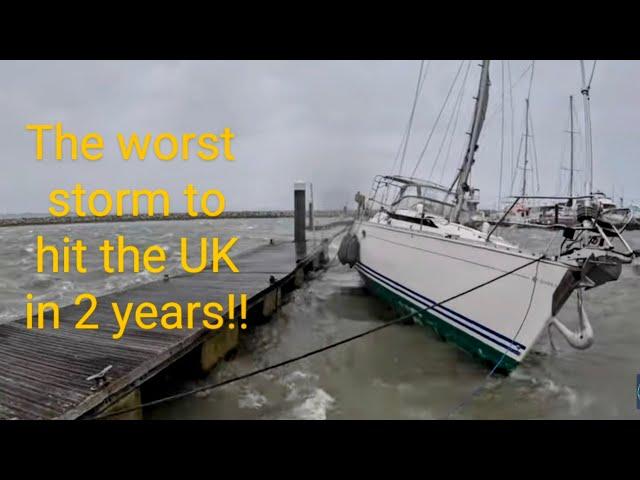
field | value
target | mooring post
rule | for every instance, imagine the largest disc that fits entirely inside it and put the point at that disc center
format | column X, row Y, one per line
column 311, row 207
column 299, row 203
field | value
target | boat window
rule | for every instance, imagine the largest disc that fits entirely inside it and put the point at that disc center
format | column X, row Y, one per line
column 418, row 197
column 426, row 222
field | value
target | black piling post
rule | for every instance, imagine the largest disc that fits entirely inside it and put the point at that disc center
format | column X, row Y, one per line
column 299, row 204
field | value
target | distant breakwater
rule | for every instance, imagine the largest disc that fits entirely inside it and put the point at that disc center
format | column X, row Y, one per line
column 27, row 221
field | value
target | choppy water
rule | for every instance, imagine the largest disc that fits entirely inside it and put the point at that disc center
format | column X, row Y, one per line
column 18, row 274
column 402, row 372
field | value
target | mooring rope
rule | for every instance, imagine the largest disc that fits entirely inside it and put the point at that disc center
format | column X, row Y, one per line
column 330, row 346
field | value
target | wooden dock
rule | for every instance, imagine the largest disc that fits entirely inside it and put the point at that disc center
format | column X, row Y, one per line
column 43, row 373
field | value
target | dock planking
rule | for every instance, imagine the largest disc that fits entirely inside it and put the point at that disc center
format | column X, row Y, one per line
column 43, row 372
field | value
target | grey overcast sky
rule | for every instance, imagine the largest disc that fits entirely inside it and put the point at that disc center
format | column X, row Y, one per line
column 334, row 123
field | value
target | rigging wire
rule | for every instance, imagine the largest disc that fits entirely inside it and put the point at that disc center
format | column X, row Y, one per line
column 533, row 67
column 579, row 150
column 451, row 139
column 513, row 141
column 403, row 141
column 514, row 174
column 534, row 167
column 454, row 112
column 524, row 138
column 535, row 154
column 501, row 133
column 395, row 159
column 563, row 151
column 412, row 114
column 593, row 70
column 433, row 128
column 511, row 87
column 588, row 134
column 577, row 153
column 316, row 351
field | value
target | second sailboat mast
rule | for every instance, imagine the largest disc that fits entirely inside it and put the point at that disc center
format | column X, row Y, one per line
column 571, row 136
column 526, row 145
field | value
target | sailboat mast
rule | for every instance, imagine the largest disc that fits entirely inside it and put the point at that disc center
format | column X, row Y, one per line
column 526, row 144
column 476, row 126
column 587, row 124
column 571, row 136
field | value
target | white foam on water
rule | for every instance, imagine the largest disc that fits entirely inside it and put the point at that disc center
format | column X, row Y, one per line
column 400, row 387
column 577, row 403
column 315, row 406
column 298, row 375
column 9, row 314
column 297, row 383
column 518, row 374
column 252, row 399
column 313, row 402
column 546, row 389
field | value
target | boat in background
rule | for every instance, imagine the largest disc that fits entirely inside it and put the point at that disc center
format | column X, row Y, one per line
column 635, row 213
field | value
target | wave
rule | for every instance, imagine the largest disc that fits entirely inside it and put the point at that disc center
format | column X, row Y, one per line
column 252, row 399
column 314, row 406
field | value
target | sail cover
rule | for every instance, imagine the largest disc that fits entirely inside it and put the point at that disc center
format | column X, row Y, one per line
column 481, row 105
column 479, row 114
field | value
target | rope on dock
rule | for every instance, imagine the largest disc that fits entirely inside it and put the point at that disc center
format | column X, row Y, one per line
column 318, row 350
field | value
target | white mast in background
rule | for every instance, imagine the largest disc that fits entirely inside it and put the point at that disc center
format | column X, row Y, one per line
column 571, row 132
column 526, row 143
column 586, row 87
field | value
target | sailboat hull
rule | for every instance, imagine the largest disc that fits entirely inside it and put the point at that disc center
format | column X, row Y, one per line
column 497, row 323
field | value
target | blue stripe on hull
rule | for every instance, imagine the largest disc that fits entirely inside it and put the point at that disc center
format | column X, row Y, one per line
column 422, row 302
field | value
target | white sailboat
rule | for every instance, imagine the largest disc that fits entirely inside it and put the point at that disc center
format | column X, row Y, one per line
column 412, row 248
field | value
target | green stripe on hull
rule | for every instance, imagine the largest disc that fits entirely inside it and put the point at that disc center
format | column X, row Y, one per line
column 478, row 349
